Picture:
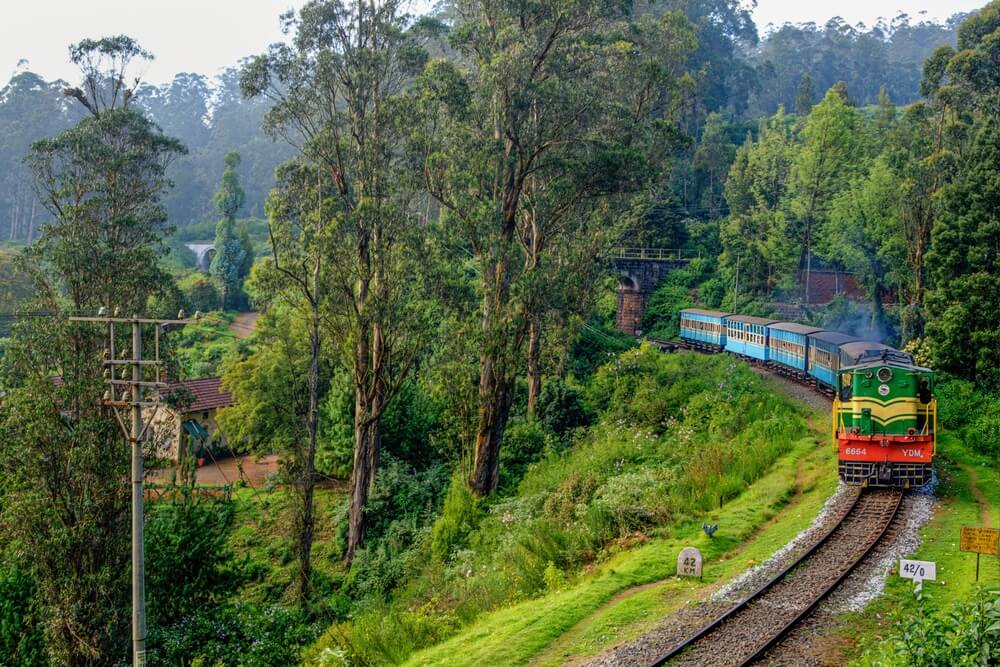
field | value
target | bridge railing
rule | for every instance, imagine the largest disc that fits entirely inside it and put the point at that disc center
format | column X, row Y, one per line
column 674, row 254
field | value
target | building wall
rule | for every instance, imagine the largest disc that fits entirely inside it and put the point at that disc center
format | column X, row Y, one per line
column 172, row 439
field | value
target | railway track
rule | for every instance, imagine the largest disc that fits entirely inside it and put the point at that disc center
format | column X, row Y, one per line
column 758, row 622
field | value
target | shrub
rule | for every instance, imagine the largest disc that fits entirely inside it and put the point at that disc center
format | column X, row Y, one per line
column 186, row 557
column 22, row 640
column 662, row 316
column 967, row 634
column 200, row 292
column 459, row 517
column 559, row 406
column 233, row 635
column 633, row 501
column 523, row 444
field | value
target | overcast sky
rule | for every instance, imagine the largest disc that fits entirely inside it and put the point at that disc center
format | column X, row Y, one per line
column 206, row 36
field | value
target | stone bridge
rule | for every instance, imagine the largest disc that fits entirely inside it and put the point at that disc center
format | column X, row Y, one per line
column 639, row 272
column 203, row 254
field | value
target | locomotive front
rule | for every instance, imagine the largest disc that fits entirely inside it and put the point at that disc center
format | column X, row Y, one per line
column 884, row 421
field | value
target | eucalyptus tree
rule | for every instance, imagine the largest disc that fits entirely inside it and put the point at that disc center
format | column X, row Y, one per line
column 102, row 182
column 339, row 94
column 962, row 262
column 823, row 165
column 549, row 113
column 63, row 468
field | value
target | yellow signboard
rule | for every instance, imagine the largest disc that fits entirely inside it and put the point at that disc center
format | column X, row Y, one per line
column 980, row 540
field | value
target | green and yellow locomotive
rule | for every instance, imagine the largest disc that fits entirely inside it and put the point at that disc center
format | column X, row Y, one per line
column 884, row 417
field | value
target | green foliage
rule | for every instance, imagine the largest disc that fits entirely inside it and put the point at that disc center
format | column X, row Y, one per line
column 269, row 386
column 201, row 347
column 560, row 407
column 101, row 177
column 22, row 641
column 524, row 443
column 15, row 287
column 400, row 509
column 598, row 339
column 459, row 516
column 187, row 558
column 967, row 634
column 963, row 308
column 199, row 292
column 677, row 433
column 663, row 311
column 756, row 237
column 229, row 263
column 234, row 635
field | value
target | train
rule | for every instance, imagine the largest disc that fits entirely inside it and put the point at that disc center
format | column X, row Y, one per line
column 884, row 425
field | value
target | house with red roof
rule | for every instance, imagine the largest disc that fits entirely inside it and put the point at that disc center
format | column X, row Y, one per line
column 187, row 416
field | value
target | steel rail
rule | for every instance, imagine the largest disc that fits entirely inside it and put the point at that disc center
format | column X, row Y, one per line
column 742, row 604
column 784, row 630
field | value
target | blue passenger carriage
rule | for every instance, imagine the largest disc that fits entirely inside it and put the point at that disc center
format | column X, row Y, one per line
column 704, row 328
column 824, row 356
column 787, row 345
column 747, row 336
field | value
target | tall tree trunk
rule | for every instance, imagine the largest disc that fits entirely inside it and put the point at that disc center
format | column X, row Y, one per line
column 308, row 465
column 808, row 260
column 367, row 436
column 534, row 363
column 496, row 393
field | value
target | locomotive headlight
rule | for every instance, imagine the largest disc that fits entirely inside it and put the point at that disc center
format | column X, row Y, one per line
column 884, row 374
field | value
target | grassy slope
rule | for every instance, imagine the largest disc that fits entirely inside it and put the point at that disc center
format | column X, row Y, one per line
column 262, row 540
column 616, row 602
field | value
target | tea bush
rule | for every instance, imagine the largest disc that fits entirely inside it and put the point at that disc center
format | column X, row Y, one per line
column 968, row 634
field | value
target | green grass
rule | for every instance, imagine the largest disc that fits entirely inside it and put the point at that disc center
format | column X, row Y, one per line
column 262, row 540
column 579, row 621
column 956, row 571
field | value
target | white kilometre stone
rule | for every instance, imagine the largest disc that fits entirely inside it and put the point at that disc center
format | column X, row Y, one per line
column 689, row 562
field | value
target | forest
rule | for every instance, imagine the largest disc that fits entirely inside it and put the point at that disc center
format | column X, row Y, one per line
column 419, row 211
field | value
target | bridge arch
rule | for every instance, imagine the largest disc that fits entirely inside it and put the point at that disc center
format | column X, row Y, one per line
column 203, row 253
column 639, row 272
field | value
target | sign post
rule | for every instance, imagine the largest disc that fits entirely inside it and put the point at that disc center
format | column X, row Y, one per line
column 919, row 571
column 980, row 541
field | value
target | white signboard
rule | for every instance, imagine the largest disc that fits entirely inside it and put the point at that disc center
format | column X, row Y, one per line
column 689, row 562
column 922, row 570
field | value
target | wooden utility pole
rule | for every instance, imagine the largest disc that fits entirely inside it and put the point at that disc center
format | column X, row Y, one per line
column 133, row 397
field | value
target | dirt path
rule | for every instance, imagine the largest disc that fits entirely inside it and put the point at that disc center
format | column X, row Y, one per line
column 244, row 324
column 977, row 493
column 227, row 471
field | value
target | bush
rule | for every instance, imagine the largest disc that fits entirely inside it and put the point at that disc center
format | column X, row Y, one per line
column 559, row 406
column 200, row 292
column 968, row 634
column 234, row 635
column 523, row 443
column 459, row 517
column 186, row 557
column 662, row 316
column 22, row 640
column 400, row 509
